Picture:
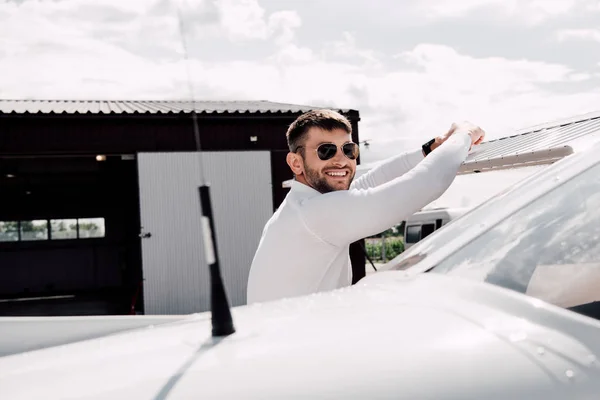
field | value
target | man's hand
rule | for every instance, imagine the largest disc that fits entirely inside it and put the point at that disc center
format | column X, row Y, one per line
column 477, row 134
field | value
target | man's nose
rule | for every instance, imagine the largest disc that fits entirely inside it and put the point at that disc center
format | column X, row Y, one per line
column 339, row 159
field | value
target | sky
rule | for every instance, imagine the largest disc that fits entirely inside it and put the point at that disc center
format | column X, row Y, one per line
column 410, row 67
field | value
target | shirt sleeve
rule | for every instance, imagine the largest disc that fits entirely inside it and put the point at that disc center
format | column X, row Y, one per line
column 342, row 217
column 389, row 169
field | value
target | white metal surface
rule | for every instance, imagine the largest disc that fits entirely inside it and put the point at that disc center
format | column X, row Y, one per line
column 521, row 158
column 21, row 334
column 242, row 204
column 428, row 337
column 174, row 264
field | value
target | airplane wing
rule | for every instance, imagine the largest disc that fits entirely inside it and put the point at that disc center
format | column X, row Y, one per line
column 537, row 145
column 481, row 162
column 21, row 334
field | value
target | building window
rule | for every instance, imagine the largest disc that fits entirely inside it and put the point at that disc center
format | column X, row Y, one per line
column 9, row 231
column 63, row 229
column 34, row 230
column 91, row 228
column 54, row 229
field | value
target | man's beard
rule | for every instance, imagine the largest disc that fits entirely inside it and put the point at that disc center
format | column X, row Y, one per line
column 319, row 182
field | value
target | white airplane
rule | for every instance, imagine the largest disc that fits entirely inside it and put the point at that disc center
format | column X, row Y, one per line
column 501, row 303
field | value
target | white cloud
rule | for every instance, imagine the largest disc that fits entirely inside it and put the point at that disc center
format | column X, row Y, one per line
column 403, row 100
column 346, row 49
column 282, row 25
column 246, row 19
column 406, row 106
column 292, row 54
column 47, row 57
column 243, row 19
column 593, row 6
column 459, row 8
column 580, row 34
column 527, row 11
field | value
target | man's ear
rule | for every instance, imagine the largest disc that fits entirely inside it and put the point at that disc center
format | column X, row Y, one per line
column 295, row 162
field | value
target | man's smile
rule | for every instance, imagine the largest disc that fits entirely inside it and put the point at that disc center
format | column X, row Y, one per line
column 337, row 173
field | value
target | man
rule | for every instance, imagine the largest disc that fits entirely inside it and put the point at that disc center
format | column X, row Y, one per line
column 305, row 245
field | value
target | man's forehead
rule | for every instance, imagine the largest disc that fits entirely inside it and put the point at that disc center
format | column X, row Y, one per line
column 318, row 135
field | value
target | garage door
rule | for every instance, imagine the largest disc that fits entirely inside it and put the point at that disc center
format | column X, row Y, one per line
column 176, row 275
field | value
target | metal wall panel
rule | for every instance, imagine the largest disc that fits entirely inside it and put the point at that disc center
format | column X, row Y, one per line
column 175, row 271
column 243, row 204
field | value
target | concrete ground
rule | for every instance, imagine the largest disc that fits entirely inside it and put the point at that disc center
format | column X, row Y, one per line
column 369, row 268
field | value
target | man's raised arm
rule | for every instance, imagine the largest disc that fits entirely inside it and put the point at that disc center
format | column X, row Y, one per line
column 396, row 166
column 342, row 217
column 389, row 169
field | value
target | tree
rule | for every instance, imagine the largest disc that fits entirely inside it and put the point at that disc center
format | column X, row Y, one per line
column 9, row 226
column 88, row 226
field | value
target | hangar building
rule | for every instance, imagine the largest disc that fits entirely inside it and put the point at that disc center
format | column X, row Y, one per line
column 99, row 204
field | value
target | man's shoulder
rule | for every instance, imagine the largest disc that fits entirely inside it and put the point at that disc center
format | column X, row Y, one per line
column 283, row 212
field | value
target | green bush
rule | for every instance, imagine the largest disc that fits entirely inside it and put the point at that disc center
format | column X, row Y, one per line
column 393, row 247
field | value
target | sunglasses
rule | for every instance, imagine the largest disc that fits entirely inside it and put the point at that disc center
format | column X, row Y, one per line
column 327, row 151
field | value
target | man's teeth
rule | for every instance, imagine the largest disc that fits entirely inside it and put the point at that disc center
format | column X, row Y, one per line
column 341, row 173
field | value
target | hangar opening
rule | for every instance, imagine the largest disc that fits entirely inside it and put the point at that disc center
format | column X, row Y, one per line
column 68, row 235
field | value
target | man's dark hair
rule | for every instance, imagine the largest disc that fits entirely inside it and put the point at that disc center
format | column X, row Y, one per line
column 324, row 119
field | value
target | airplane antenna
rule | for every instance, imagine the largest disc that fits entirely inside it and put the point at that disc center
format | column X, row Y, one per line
column 222, row 322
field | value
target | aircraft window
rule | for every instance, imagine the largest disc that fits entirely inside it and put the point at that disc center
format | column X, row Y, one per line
column 550, row 249
column 413, row 233
column 427, row 229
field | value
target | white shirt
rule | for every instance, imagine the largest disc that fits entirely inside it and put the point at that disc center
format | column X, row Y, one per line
column 305, row 245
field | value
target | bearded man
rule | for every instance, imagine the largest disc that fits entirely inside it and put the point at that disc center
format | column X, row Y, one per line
column 305, row 245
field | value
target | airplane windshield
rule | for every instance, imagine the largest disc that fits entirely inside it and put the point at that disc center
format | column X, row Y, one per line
column 450, row 232
column 550, row 249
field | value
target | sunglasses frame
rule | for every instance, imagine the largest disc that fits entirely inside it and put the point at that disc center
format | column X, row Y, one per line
column 336, row 150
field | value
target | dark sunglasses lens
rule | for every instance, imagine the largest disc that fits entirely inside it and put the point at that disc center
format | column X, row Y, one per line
column 351, row 150
column 326, row 151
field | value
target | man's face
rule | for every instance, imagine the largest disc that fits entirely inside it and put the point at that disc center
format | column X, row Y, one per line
column 336, row 173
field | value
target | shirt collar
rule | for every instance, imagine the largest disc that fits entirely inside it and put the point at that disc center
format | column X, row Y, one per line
column 299, row 187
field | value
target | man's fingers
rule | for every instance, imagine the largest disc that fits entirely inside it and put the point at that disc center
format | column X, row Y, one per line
column 474, row 131
column 482, row 137
column 452, row 129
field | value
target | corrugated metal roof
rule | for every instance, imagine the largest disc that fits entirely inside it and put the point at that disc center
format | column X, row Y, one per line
column 147, row 107
column 553, row 135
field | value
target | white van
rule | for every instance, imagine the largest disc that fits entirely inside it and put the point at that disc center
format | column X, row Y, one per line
column 425, row 222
